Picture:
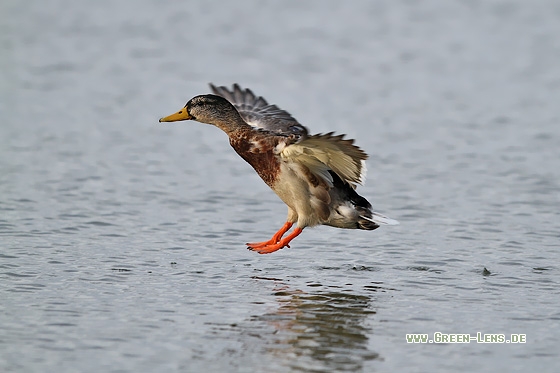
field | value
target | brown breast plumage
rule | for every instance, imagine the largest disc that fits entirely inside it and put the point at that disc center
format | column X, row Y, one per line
column 258, row 150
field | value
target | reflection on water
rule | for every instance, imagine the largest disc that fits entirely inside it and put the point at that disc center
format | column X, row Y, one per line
column 322, row 330
column 311, row 331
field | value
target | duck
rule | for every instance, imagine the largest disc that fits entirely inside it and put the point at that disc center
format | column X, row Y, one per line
column 316, row 176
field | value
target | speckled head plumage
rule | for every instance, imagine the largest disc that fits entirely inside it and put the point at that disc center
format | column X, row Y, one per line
column 204, row 108
column 209, row 109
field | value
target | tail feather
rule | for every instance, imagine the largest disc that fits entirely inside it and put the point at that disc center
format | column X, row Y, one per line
column 380, row 219
column 352, row 210
column 366, row 224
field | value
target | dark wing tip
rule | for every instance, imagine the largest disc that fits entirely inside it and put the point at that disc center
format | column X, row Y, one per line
column 256, row 111
column 239, row 96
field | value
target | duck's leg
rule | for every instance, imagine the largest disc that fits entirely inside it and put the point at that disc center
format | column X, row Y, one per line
column 267, row 249
column 275, row 239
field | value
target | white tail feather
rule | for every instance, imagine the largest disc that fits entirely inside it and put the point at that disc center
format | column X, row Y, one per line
column 380, row 219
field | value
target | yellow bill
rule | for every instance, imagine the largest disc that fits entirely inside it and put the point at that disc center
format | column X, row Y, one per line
column 180, row 115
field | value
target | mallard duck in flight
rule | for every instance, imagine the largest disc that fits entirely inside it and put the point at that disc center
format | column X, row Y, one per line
column 315, row 175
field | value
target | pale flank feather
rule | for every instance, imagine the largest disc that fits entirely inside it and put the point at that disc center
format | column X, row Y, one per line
column 321, row 153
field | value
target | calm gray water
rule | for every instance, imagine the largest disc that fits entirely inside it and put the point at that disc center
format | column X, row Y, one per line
column 122, row 239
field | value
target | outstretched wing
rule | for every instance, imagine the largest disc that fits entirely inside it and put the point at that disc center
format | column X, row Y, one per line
column 323, row 153
column 320, row 153
column 258, row 113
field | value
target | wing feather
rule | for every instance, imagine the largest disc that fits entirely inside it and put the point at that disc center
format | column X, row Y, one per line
column 324, row 152
column 320, row 153
column 256, row 111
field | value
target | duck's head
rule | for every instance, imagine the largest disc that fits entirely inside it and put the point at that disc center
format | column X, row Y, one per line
column 203, row 108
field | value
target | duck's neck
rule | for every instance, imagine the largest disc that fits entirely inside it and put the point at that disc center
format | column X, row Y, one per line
column 231, row 124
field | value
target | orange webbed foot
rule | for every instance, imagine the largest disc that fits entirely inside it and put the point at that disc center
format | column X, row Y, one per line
column 256, row 245
column 267, row 248
column 274, row 240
